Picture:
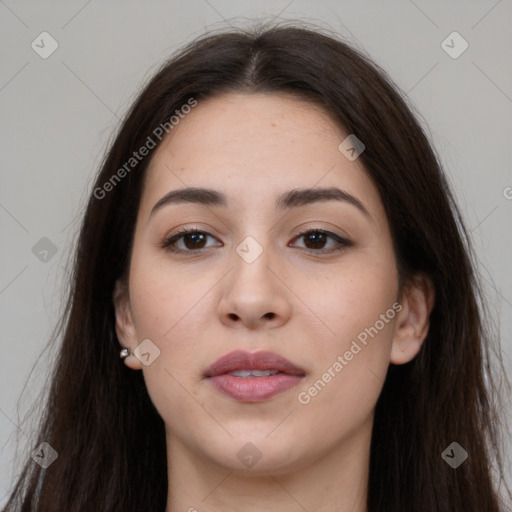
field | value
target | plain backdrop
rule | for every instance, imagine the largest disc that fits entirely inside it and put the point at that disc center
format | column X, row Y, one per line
column 58, row 113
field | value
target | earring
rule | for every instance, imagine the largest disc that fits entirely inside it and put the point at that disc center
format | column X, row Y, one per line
column 124, row 353
column 130, row 359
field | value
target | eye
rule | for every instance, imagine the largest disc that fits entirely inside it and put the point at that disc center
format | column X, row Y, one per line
column 193, row 240
column 316, row 239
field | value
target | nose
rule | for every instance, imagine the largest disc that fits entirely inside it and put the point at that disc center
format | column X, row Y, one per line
column 254, row 296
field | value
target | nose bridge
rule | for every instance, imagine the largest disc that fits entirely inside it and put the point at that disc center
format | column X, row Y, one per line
column 254, row 234
column 251, row 259
column 250, row 250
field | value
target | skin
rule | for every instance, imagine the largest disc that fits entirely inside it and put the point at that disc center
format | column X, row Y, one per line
column 197, row 306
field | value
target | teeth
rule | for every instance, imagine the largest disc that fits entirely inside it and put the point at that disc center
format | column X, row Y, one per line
column 253, row 373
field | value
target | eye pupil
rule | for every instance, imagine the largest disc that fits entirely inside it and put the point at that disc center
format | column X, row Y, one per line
column 194, row 237
column 317, row 238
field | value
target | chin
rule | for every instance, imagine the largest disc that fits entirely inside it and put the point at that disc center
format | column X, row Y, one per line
column 258, row 455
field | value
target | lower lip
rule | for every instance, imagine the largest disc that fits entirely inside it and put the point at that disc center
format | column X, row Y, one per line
column 254, row 389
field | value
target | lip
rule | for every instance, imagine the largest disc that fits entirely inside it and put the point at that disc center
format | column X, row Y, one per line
column 253, row 389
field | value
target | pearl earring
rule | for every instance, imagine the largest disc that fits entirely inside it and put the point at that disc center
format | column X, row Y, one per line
column 124, row 353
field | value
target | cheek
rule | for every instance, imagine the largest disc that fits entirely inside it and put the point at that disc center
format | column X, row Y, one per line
column 348, row 373
column 357, row 306
column 167, row 308
column 170, row 308
column 165, row 298
column 345, row 299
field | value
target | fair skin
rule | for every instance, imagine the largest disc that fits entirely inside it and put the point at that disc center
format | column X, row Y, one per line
column 306, row 306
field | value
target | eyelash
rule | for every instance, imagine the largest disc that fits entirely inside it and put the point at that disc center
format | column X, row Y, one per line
column 343, row 243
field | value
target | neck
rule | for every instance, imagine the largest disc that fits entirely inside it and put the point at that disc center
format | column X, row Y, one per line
column 333, row 481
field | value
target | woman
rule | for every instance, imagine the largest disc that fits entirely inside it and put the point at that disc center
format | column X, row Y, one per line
column 272, row 249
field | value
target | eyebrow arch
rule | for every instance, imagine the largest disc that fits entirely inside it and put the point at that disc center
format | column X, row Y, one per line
column 291, row 199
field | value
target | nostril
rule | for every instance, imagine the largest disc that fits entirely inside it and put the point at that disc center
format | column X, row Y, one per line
column 270, row 315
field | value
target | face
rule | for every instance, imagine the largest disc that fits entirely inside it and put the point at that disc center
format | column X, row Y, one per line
column 309, row 278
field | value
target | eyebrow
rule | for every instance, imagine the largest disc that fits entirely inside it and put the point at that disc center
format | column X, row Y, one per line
column 291, row 199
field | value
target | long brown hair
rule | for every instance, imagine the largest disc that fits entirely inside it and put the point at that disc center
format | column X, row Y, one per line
column 98, row 415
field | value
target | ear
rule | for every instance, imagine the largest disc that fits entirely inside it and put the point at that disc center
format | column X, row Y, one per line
column 125, row 327
column 413, row 320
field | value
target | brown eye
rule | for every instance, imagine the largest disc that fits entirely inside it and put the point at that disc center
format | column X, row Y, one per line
column 316, row 239
column 192, row 240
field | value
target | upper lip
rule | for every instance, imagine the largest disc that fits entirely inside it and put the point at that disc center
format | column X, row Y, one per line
column 241, row 360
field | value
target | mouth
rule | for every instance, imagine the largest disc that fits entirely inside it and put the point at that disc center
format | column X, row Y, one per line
column 253, row 377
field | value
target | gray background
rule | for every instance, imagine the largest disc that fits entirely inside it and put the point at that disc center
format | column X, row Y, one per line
column 58, row 113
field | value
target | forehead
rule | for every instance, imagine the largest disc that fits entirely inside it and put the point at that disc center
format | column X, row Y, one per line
column 254, row 147
column 229, row 124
